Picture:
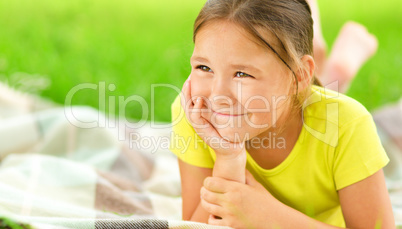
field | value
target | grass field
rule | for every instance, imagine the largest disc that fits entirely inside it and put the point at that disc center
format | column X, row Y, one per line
column 50, row 46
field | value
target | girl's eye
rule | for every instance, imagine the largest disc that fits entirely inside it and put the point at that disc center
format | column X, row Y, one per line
column 243, row 75
column 204, row 68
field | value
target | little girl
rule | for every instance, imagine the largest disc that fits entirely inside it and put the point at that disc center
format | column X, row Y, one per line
column 259, row 145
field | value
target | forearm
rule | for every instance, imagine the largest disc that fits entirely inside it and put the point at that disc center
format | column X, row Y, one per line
column 288, row 217
column 200, row 215
column 231, row 167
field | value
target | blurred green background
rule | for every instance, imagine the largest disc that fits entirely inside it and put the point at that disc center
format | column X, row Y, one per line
column 49, row 46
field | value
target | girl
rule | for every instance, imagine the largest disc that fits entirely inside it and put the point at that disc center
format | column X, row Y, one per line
column 261, row 145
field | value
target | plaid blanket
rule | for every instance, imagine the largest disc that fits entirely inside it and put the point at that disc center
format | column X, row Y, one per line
column 388, row 120
column 56, row 171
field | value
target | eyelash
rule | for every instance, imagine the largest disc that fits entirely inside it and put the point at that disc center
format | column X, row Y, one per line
column 207, row 69
column 202, row 68
column 245, row 75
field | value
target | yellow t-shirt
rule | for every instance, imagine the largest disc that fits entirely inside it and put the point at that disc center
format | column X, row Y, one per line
column 337, row 146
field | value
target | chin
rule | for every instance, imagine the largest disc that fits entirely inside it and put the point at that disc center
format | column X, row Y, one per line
column 235, row 135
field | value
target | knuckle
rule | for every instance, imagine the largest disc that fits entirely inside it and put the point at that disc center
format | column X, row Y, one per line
column 207, row 182
column 207, row 207
column 203, row 193
column 212, row 183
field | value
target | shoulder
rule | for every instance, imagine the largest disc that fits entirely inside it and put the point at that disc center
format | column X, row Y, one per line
column 333, row 107
column 328, row 114
column 345, row 128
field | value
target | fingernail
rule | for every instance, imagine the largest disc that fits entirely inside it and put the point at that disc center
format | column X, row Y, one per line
column 198, row 99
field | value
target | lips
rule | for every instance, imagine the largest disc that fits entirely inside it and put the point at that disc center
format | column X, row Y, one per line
column 227, row 115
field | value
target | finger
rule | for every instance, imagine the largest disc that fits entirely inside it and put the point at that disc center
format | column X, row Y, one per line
column 194, row 115
column 191, row 109
column 203, row 127
column 195, row 111
column 219, row 185
column 211, row 197
column 213, row 209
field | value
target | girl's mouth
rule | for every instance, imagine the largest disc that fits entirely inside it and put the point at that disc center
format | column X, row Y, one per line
column 227, row 115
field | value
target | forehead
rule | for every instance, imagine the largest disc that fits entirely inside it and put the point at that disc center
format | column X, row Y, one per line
column 225, row 30
column 224, row 42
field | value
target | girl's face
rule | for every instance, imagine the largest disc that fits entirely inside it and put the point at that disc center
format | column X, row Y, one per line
column 244, row 85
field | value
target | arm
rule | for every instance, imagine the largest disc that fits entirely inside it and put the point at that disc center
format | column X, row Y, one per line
column 366, row 204
column 230, row 161
column 231, row 167
column 192, row 179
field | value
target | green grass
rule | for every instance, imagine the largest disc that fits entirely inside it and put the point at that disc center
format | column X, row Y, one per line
column 6, row 223
column 380, row 80
column 50, row 46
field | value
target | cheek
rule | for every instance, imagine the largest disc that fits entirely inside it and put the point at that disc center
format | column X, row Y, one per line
column 257, row 104
column 265, row 111
column 265, row 104
column 264, row 115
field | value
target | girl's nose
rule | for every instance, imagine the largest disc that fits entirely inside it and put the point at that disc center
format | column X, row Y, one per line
column 221, row 92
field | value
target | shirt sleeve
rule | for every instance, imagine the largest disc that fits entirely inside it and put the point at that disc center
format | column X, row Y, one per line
column 185, row 142
column 359, row 153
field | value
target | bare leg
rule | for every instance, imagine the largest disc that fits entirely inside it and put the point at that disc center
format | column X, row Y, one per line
column 353, row 47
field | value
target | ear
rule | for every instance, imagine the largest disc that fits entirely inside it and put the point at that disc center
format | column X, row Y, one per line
column 306, row 72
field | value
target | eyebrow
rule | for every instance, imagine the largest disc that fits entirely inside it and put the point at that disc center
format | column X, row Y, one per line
column 246, row 67
column 236, row 66
column 200, row 59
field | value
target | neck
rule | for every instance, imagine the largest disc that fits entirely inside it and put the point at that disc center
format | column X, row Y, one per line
column 281, row 137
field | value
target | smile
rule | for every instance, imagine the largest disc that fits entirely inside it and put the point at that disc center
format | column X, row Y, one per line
column 228, row 115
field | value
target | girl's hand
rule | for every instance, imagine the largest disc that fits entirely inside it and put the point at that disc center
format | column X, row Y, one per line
column 239, row 205
column 194, row 112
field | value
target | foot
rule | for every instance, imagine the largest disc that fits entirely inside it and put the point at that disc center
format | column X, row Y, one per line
column 353, row 47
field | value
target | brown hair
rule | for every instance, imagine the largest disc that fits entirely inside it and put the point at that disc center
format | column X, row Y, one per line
column 289, row 21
